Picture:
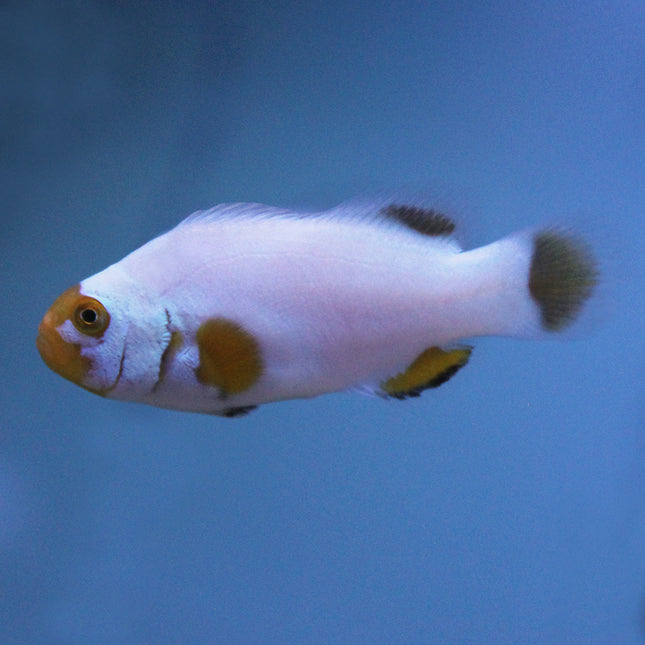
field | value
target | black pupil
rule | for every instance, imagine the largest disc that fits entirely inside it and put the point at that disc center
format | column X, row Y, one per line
column 88, row 316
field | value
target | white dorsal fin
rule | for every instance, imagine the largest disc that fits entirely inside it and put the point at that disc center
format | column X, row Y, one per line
column 419, row 219
column 233, row 210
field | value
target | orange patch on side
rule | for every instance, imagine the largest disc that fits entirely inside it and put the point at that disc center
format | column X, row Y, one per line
column 431, row 368
column 229, row 356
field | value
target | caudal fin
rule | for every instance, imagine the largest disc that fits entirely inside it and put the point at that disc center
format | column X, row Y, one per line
column 562, row 276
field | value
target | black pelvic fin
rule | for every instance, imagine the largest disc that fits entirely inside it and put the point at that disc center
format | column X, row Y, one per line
column 243, row 410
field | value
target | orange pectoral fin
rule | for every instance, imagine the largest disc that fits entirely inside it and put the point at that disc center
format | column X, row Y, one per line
column 431, row 368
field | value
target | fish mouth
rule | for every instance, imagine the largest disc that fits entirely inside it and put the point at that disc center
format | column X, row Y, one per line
column 66, row 359
column 48, row 344
column 42, row 345
column 60, row 356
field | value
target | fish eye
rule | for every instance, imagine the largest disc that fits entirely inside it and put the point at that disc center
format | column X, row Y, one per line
column 91, row 317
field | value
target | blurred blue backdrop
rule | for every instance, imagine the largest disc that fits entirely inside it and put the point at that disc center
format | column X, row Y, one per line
column 506, row 507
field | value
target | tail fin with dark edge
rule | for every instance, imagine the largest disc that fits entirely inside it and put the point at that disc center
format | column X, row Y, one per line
column 562, row 276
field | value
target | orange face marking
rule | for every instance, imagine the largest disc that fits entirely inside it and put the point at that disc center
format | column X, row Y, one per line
column 63, row 357
column 229, row 356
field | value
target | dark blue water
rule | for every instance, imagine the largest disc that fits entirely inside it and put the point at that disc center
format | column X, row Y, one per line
column 506, row 507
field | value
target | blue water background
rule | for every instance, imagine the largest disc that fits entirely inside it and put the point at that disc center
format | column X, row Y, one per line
column 506, row 507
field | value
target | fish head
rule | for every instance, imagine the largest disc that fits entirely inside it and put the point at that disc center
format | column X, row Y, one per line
column 82, row 340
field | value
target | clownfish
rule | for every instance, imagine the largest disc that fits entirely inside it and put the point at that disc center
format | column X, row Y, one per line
column 245, row 304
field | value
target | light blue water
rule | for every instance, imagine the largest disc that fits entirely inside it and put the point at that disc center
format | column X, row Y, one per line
column 506, row 507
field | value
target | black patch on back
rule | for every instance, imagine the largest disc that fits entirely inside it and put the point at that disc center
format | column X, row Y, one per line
column 423, row 220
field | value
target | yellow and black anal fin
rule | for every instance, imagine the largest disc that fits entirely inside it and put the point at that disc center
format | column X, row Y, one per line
column 431, row 368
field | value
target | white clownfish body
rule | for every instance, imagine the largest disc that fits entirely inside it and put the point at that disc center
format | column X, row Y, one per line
column 246, row 304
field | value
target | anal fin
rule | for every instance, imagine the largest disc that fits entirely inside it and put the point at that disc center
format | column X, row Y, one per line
column 431, row 368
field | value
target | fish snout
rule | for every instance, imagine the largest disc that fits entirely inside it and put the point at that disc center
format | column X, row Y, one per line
column 59, row 355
